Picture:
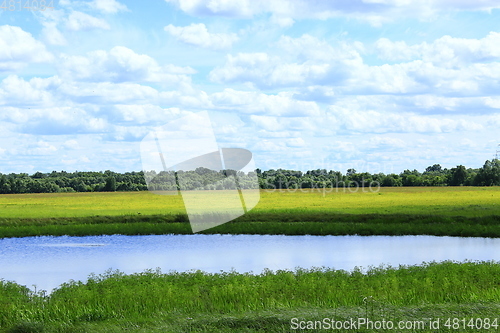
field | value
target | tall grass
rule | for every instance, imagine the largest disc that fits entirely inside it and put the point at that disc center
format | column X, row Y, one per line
column 114, row 296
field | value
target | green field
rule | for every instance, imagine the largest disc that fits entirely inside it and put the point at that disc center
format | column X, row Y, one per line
column 454, row 211
column 234, row 302
column 450, row 201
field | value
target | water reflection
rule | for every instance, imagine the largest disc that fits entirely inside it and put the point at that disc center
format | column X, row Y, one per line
column 49, row 261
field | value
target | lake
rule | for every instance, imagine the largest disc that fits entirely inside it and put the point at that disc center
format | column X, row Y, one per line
column 46, row 262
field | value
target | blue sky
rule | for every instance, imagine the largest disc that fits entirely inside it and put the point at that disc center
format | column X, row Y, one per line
column 375, row 85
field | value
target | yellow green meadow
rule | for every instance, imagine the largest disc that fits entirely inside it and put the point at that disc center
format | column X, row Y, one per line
column 449, row 201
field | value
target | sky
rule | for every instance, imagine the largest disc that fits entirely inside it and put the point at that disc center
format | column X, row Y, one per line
column 374, row 85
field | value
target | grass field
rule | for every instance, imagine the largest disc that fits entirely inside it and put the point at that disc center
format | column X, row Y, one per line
column 234, row 302
column 449, row 201
column 454, row 211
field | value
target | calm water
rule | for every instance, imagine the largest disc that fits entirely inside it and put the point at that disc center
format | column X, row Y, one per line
column 49, row 261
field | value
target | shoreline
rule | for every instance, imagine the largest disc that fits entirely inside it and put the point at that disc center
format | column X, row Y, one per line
column 264, row 223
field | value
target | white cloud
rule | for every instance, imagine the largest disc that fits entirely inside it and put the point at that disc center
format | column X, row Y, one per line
column 383, row 142
column 375, row 12
column 307, row 61
column 295, row 142
column 395, row 51
column 54, row 120
column 121, row 64
column 445, row 52
column 108, row 6
column 353, row 121
column 146, row 113
column 268, row 146
column 77, row 21
column 103, row 6
column 197, row 34
column 449, row 66
column 235, row 8
column 276, row 124
column 309, row 48
column 187, row 98
column 52, row 35
column 76, row 161
column 267, row 71
column 71, row 144
column 41, row 148
column 338, row 145
column 18, row 48
column 282, row 104
column 108, row 93
column 15, row 91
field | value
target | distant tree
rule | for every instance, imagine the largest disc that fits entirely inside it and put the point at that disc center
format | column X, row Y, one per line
column 38, row 175
column 4, row 185
column 489, row 174
column 110, row 184
column 434, row 168
column 458, row 176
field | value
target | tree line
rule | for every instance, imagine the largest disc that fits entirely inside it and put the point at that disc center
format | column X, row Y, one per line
column 205, row 179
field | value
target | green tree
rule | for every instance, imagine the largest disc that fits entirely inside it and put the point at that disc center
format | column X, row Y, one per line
column 458, row 176
column 4, row 185
column 489, row 174
column 110, row 184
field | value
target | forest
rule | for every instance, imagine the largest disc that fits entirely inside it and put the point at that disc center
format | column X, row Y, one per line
column 206, row 179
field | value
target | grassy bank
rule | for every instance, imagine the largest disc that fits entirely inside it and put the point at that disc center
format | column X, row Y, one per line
column 453, row 211
column 229, row 302
column 287, row 223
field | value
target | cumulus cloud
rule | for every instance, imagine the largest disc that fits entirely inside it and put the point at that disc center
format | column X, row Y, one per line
column 197, row 34
column 103, row 6
column 41, row 148
column 264, row 70
column 384, row 142
column 121, row 64
column 295, row 142
column 104, row 93
column 15, row 91
column 446, row 51
column 278, row 124
column 77, row 21
column 144, row 114
column 282, row 104
column 54, row 120
column 352, row 121
column 108, row 6
column 307, row 61
column 447, row 66
column 375, row 12
column 52, row 35
column 18, row 48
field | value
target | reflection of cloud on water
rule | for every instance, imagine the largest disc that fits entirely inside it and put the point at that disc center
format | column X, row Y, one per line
column 71, row 245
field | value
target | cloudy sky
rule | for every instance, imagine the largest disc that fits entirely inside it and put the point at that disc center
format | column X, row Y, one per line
column 377, row 85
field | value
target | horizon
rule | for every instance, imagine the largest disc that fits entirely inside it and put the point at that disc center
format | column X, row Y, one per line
column 262, row 171
column 376, row 86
